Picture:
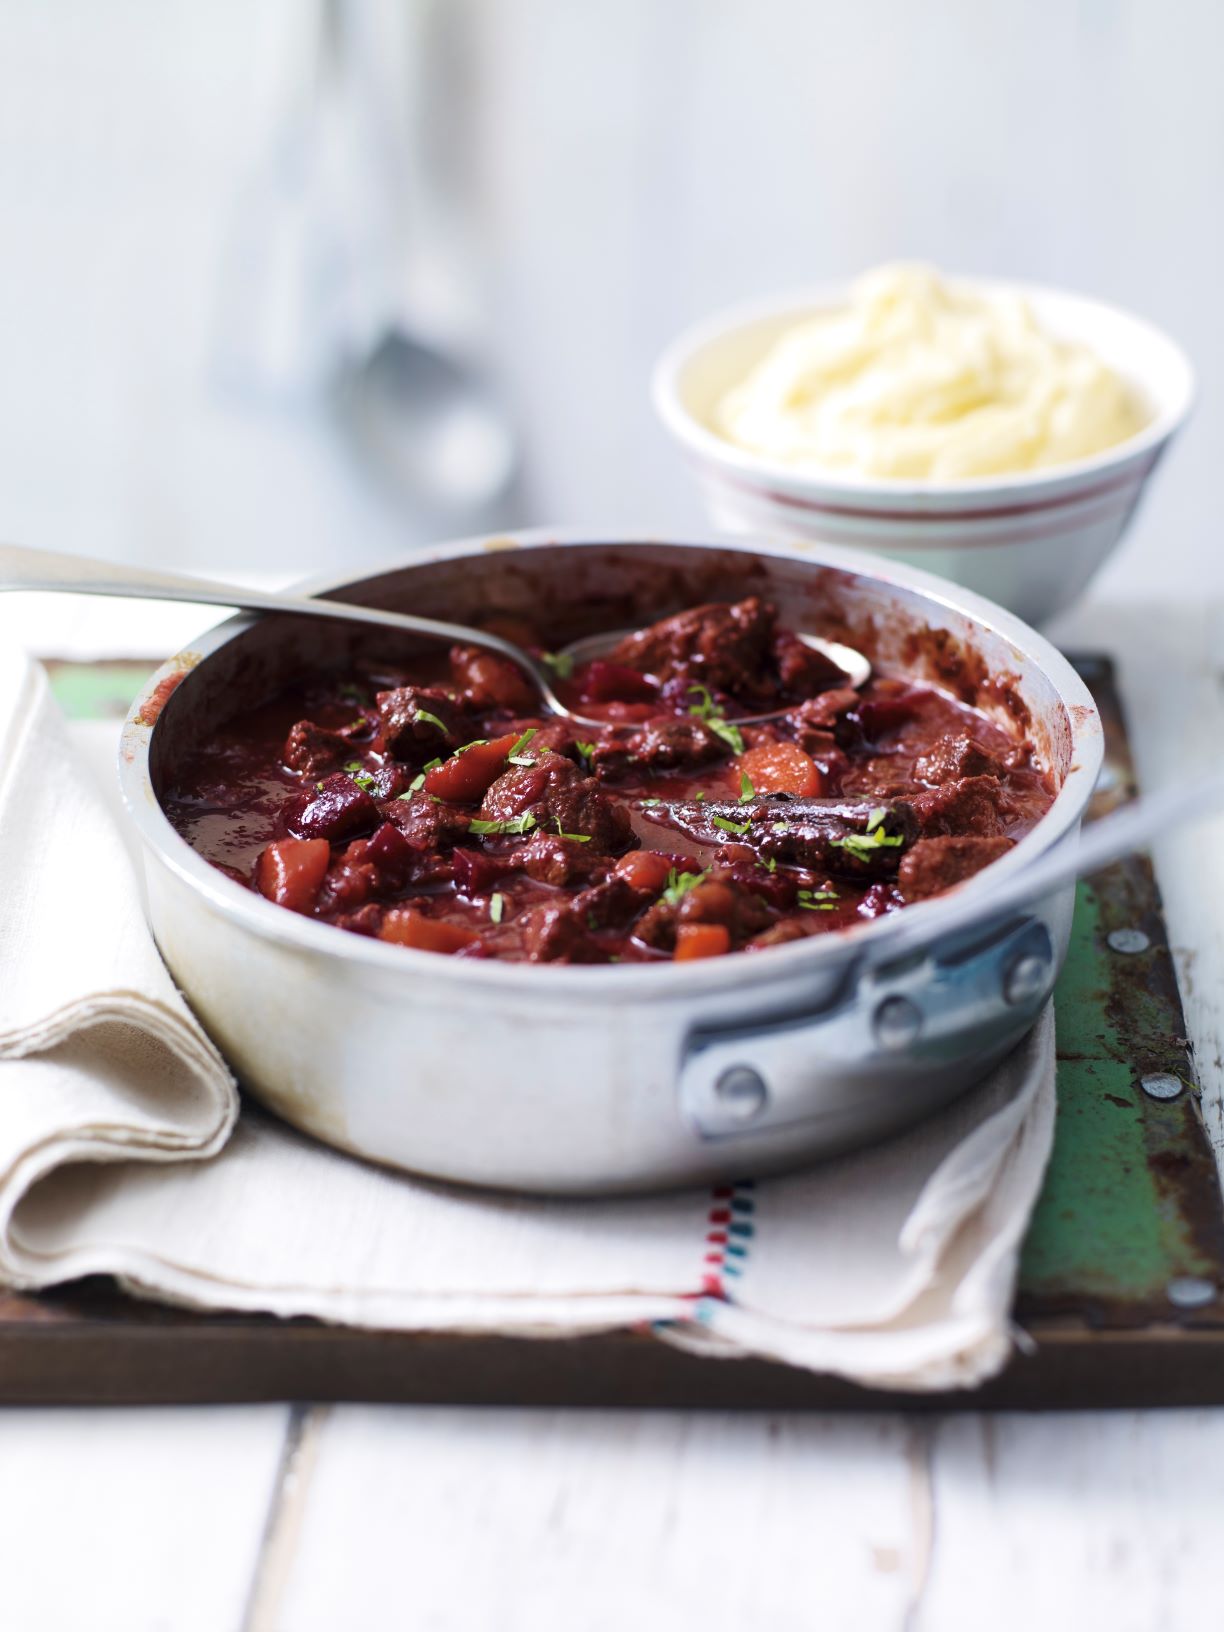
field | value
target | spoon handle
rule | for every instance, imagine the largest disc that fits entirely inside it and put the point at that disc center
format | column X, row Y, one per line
column 26, row 569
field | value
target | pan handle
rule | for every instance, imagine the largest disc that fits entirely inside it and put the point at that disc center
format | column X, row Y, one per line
column 910, row 1016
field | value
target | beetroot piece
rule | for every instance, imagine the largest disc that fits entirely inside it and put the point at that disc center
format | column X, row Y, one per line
column 477, row 873
column 603, row 682
column 337, row 809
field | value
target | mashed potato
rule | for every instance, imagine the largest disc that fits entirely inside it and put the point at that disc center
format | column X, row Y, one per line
column 918, row 378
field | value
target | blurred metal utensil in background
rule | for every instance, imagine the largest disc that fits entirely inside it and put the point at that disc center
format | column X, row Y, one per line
column 349, row 283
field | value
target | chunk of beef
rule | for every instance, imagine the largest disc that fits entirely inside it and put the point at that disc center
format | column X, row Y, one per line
column 366, row 920
column 337, row 809
column 314, row 751
column 485, row 680
column 813, row 722
column 561, row 799
column 419, row 723
column 427, row 823
column 935, row 865
column 551, row 859
column 611, row 904
column 367, row 870
column 727, row 648
column 790, row 929
column 559, row 735
column 974, row 805
column 661, row 745
column 954, row 758
column 801, row 669
column 556, row 934
column 719, row 900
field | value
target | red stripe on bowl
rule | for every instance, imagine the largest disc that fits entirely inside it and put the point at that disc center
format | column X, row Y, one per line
column 1084, row 495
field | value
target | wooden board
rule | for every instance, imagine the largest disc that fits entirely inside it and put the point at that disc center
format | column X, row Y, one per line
column 1119, row 1284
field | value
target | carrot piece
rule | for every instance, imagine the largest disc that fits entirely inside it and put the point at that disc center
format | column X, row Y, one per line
column 407, row 927
column 701, row 941
column 644, row 869
column 467, row 776
column 290, row 872
column 781, row 767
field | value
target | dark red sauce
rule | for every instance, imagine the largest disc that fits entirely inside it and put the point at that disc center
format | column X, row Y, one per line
column 436, row 806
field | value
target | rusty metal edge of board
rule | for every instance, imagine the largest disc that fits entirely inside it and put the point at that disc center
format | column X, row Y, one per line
column 1071, row 1367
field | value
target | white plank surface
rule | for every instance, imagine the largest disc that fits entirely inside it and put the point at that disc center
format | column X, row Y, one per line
column 132, row 1520
column 454, row 1519
column 1102, row 1520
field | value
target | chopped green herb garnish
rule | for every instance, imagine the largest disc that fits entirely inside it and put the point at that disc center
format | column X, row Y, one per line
column 432, row 719
column 875, row 819
column 818, row 900
column 648, row 801
column 561, row 663
column 357, row 771
column 516, row 756
column 586, row 751
column 361, row 724
column 729, row 733
column 515, row 824
column 728, row 826
column 864, row 845
column 705, row 707
column 679, row 884
column 476, row 742
column 583, row 838
column 708, row 710
column 699, row 796
column 781, row 827
column 351, row 693
column 770, row 864
column 747, row 791
column 497, row 905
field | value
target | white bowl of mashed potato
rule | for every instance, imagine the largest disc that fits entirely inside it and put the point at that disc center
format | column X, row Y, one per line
column 998, row 434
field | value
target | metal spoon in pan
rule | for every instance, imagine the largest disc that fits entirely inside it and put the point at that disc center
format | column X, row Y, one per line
column 27, row 569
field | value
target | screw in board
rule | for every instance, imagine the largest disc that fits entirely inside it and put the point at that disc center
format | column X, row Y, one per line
column 1128, row 940
column 1161, row 1085
column 1190, row 1292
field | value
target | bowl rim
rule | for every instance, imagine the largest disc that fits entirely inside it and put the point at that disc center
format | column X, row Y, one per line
column 919, row 924
column 846, row 487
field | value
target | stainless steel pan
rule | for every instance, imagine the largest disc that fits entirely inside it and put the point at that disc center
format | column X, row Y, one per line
column 618, row 1078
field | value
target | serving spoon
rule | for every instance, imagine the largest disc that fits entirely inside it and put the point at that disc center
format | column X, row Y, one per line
column 26, row 569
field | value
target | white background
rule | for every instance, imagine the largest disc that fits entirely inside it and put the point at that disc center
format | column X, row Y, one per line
column 623, row 166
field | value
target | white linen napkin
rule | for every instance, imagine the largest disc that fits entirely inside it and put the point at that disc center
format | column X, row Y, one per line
column 122, row 1152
